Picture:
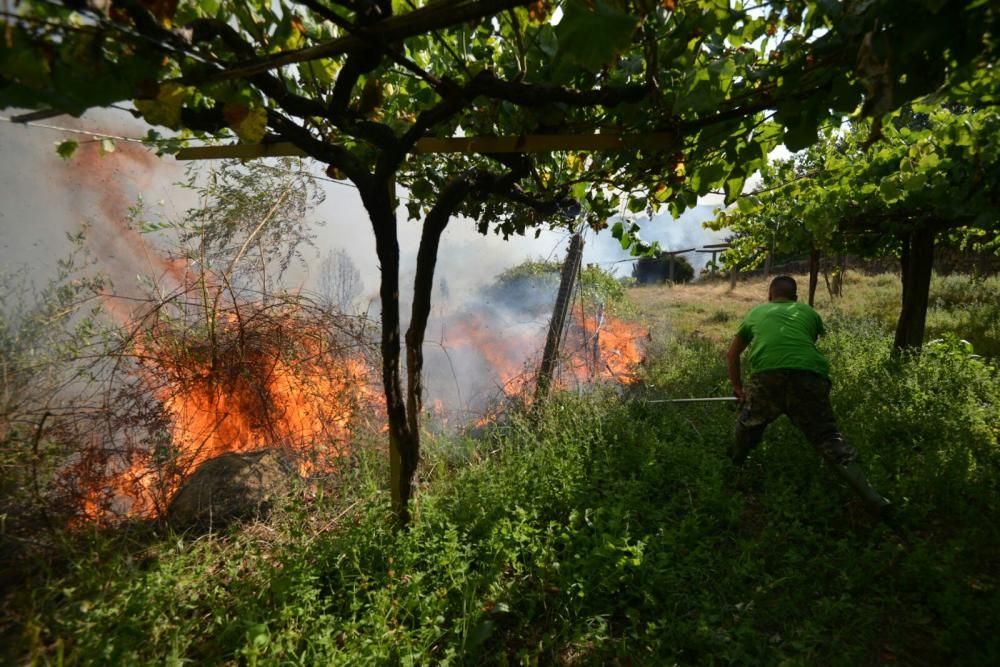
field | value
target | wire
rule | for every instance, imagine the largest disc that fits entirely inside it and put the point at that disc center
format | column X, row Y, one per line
column 99, row 135
column 136, row 140
column 346, row 184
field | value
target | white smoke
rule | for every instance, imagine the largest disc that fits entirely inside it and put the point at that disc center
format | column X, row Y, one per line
column 672, row 234
column 45, row 197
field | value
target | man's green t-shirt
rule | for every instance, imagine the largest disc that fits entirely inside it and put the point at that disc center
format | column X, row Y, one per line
column 782, row 334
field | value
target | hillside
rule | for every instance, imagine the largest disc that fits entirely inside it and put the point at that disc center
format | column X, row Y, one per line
column 605, row 530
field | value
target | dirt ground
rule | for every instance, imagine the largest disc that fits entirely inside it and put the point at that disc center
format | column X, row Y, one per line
column 708, row 308
column 711, row 309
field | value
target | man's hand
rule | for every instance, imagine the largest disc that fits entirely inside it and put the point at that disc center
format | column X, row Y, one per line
column 739, row 393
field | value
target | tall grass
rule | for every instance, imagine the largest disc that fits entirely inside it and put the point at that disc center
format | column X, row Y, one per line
column 959, row 304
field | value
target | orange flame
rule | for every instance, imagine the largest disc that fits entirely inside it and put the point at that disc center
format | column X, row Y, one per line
column 595, row 347
column 263, row 380
column 276, row 382
column 505, row 352
column 605, row 347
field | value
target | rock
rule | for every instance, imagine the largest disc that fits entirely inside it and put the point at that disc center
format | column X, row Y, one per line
column 230, row 488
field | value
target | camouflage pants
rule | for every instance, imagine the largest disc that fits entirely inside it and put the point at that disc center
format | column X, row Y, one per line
column 803, row 396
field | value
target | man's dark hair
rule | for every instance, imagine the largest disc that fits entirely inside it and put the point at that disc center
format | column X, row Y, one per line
column 783, row 287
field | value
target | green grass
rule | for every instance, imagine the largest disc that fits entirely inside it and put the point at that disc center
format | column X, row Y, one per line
column 610, row 531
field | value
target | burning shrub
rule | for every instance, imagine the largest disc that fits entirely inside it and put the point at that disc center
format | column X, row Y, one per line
column 275, row 374
column 495, row 343
column 228, row 362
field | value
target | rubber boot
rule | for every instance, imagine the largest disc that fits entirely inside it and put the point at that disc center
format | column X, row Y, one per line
column 853, row 475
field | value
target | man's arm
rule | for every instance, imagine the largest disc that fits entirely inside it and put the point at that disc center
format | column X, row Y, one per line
column 733, row 364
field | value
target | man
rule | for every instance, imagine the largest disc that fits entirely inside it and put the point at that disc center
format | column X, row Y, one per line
column 789, row 376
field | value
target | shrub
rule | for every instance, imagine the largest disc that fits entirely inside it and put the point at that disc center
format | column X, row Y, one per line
column 49, row 341
column 521, row 283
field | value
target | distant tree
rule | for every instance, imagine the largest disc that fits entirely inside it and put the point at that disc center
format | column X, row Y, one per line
column 340, row 281
column 519, row 282
column 763, row 226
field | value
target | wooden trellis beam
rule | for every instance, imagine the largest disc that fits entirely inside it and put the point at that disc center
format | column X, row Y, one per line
column 528, row 143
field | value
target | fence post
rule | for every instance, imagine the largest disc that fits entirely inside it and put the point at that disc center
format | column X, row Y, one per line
column 566, row 283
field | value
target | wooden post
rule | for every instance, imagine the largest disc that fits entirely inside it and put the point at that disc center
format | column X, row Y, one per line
column 598, row 323
column 841, row 270
column 566, row 282
column 671, row 256
column 769, row 259
column 813, row 273
column 714, row 249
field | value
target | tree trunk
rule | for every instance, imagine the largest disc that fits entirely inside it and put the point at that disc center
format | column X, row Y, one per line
column 813, row 274
column 916, row 262
column 423, row 285
column 404, row 444
column 405, row 414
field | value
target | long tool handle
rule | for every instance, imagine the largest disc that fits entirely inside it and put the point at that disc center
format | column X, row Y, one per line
column 694, row 400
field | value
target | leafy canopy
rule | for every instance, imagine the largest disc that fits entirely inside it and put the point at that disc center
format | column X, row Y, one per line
column 355, row 83
column 937, row 166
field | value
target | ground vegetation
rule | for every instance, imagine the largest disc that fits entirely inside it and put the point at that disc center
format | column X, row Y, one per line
column 606, row 530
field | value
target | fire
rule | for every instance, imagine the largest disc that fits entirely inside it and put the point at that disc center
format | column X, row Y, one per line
column 605, row 347
column 596, row 348
column 266, row 381
column 262, row 375
column 504, row 351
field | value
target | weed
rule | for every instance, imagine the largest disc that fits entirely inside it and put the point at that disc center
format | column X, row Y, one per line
column 720, row 317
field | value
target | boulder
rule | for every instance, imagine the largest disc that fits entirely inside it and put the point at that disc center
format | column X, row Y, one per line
column 232, row 487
